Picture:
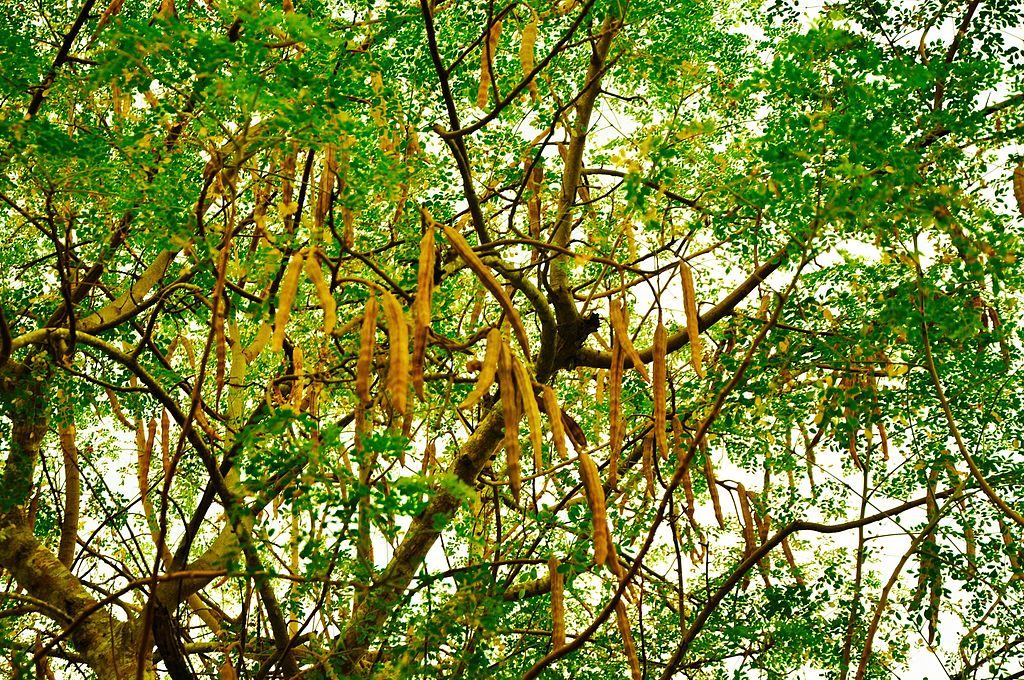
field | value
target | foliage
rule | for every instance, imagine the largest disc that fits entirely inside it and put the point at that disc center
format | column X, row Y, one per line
column 327, row 325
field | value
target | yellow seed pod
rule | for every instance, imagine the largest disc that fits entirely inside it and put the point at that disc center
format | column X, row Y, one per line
column 557, row 603
column 527, row 53
column 598, row 509
column 421, row 308
column 554, row 412
column 617, row 318
column 660, row 385
column 398, row 352
column 286, row 298
column 367, row 345
column 323, row 293
column 488, row 369
column 529, row 401
column 692, row 317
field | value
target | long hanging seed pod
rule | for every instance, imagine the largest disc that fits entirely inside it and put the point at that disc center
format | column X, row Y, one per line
column 286, row 298
column 598, row 508
column 488, row 369
column 747, row 520
column 1018, row 186
column 620, row 326
column 323, row 293
column 628, row 646
column 326, row 186
column 421, row 307
column 615, row 422
column 557, row 604
column 709, row 474
column 526, row 53
column 647, row 458
column 367, row 345
column 692, row 317
column 660, row 386
column 529, row 402
column 465, row 251
column 487, row 64
column 511, row 411
column 297, row 385
column 554, row 412
column 398, row 351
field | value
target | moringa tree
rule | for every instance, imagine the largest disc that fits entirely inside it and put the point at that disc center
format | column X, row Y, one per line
column 572, row 339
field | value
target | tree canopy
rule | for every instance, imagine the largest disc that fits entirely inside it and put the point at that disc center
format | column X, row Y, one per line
column 589, row 338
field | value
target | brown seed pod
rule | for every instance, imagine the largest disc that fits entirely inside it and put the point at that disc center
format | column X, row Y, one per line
column 574, row 432
column 616, row 426
column 557, row 603
column 323, row 293
column 647, row 460
column 465, row 251
column 628, row 646
column 600, row 378
column 326, row 186
column 709, row 474
column 1018, row 186
column 747, row 520
column 297, row 384
column 692, row 317
column 788, row 551
column 115, row 406
column 884, row 440
column 486, row 64
column 555, row 418
column 526, row 53
column 524, row 385
column 660, row 385
column 398, row 351
column 598, row 509
column 511, row 411
column 421, row 306
column 620, row 328
column 488, row 369
column 286, row 298
column 691, row 501
column 367, row 345
column 165, row 441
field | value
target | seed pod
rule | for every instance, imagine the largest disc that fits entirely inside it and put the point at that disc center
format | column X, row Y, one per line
column 557, row 603
column 367, row 345
column 115, row 406
column 628, row 646
column 792, row 561
column 747, row 520
column 598, row 509
column 465, row 251
column 647, row 458
column 884, row 440
column 620, row 327
column 486, row 64
column 526, row 53
column 555, row 418
column 660, row 385
column 326, row 186
column 1018, row 186
column 297, row 384
column 511, row 411
column 323, row 293
column 529, row 401
column 600, row 378
column 574, row 432
column 709, row 474
column 398, row 351
column 615, row 422
column 692, row 317
column 691, row 501
column 421, row 308
column 488, row 369
column 285, row 298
